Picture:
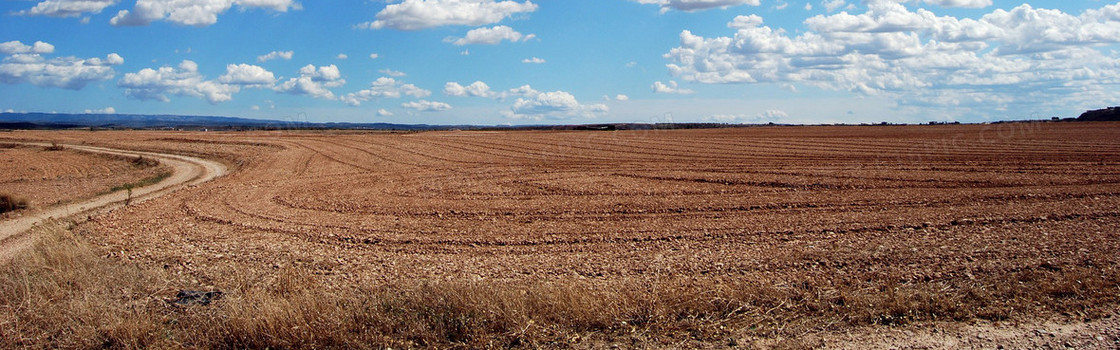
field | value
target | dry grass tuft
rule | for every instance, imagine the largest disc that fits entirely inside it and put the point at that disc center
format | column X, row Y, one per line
column 141, row 162
column 9, row 202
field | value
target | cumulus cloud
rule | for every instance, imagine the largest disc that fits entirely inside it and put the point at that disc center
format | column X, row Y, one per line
column 696, row 5
column 374, row 56
column 531, row 103
column 956, row 3
column 833, row 5
column 420, row 14
column 26, row 64
column 184, row 80
column 384, row 87
column 67, row 8
column 670, row 88
column 16, row 47
column 490, row 36
column 286, row 55
column 768, row 116
column 533, row 60
column 313, row 81
column 247, row 74
column 551, row 105
column 199, row 13
column 384, row 113
column 476, row 89
column 1019, row 56
column 342, row 56
column 621, row 97
column 106, row 110
column 426, row 106
column 392, row 73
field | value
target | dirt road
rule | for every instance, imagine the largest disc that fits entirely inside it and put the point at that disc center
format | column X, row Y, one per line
column 187, row 171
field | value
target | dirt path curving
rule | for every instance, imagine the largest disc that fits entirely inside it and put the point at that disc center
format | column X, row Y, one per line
column 186, row 171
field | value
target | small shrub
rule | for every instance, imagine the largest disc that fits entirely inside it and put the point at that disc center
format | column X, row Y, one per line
column 142, row 162
column 11, row 203
column 54, row 147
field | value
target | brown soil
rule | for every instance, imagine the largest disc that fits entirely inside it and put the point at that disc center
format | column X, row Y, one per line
column 46, row 178
column 844, row 226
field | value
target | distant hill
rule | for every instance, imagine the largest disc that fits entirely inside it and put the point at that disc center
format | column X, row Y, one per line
column 1107, row 114
column 140, row 121
column 143, row 121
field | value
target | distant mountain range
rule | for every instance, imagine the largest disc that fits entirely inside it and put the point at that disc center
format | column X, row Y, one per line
column 143, row 121
column 148, row 121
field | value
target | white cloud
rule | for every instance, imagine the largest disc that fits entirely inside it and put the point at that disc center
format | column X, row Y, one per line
column 768, row 116
column 670, row 88
column 16, row 47
column 67, row 8
column 523, row 91
column 342, row 56
column 533, row 60
column 25, row 64
column 156, row 84
column 384, row 113
column 384, row 87
column 490, row 36
column 286, row 55
column 374, row 56
column 106, row 110
column 808, row 6
column 199, row 13
column 957, row 3
column 314, row 82
column 465, row 53
column 426, row 106
column 833, row 5
column 621, row 97
column 1023, row 56
column 392, row 73
column 247, row 74
column 476, row 89
column 696, row 5
column 551, row 105
column 420, row 14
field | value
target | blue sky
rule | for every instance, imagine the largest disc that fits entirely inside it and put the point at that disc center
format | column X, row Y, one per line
column 563, row 61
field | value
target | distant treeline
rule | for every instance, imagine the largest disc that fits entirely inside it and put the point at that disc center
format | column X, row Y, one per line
column 1107, row 114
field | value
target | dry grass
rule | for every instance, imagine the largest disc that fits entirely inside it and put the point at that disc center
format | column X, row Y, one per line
column 65, row 293
column 9, row 202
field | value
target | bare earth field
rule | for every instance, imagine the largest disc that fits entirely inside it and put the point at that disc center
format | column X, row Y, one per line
column 900, row 236
column 49, row 177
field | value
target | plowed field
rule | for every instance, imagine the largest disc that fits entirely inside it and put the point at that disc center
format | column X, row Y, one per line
column 48, row 177
column 939, row 222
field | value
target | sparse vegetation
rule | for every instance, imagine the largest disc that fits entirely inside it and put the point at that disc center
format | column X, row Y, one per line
column 142, row 162
column 54, row 147
column 65, row 293
column 143, row 182
column 10, row 202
